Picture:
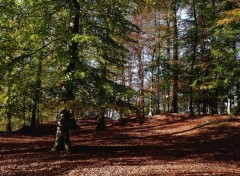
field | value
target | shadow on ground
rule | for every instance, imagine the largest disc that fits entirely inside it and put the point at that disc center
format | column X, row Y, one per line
column 166, row 142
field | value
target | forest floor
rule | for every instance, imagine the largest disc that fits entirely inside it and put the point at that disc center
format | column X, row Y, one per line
column 163, row 145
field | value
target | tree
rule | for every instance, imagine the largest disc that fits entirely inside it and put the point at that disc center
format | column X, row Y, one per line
column 226, row 51
column 169, row 56
column 175, row 56
column 62, row 140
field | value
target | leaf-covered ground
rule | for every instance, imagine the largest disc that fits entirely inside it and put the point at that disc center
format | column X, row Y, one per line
column 163, row 145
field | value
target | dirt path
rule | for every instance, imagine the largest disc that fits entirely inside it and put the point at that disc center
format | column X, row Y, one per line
column 163, row 145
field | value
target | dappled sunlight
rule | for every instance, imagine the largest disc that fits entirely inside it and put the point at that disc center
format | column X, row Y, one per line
column 163, row 144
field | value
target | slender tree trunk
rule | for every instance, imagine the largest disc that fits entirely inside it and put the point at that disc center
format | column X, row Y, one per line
column 141, row 81
column 24, row 111
column 102, row 100
column 158, row 77
column 236, row 105
column 158, row 85
column 9, row 110
column 204, row 107
column 153, row 57
column 168, row 100
column 212, row 108
column 164, row 104
column 130, row 77
column 216, row 104
column 175, row 58
column 150, row 107
column 36, row 94
column 194, row 55
column 123, row 83
column 229, row 106
column 222, row 107
column 158, row 48
column 166, row 64
column 24, row 104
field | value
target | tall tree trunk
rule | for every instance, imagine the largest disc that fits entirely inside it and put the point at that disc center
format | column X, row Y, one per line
column 158, row 85
column 150, row 108
column 175, row 58
column 153, row 57
column 193, row 58
column 36, row 94
column 103, row 78
column 158, row 52
column 123, row 83
column 130, row 77
column 62, row 133
column 102, row 100
column 166, row 63
column 141, row 81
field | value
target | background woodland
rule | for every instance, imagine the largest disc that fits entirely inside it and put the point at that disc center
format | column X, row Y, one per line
column 117, row 58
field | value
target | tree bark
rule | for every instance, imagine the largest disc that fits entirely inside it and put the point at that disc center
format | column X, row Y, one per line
column 158, row 52
column 236, row 105
column 102, row 100
column 141, row 81
column 62, row 135
column 62, row 140
column 130, row 77
column 175, row 59
column 101, row 123
column 73, row 48
column 36, row 94
column 166, row 63
column 9, row 110
column 158, row 85
column 229, row 106
column 204, row 107
column 194, row 54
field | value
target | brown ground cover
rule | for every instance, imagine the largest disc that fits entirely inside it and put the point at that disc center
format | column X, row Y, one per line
column 164, row 145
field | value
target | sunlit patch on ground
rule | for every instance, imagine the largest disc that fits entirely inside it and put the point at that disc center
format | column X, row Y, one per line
column 163, row 145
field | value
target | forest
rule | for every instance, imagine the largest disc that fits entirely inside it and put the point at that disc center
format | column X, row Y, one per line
column 71, row 68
